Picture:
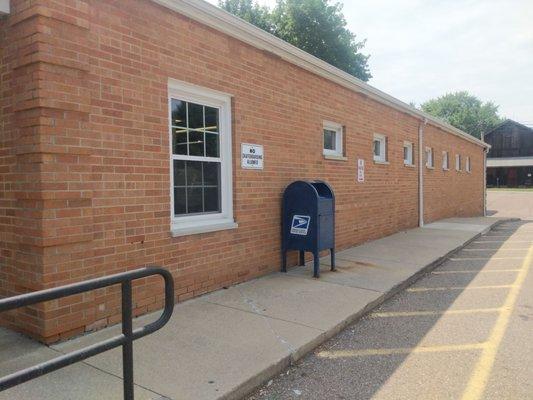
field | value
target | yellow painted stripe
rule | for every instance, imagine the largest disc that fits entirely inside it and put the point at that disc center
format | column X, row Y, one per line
column 478, row 381
column 332, row 354
column 473, row 271
column 485, row 258
column 503, row 241
column 437, row 289
column 425, row 313
column 500, row 249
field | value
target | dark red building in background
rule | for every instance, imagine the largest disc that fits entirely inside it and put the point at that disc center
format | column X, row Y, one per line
column 510, row 159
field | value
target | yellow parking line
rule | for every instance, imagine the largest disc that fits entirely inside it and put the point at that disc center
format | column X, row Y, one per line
column 485, row 258
column 392, row 314
column 332, row 354
column 438, row 289
column 479, row 378
column 502, row 241
column 468, row 271
column 499, row 249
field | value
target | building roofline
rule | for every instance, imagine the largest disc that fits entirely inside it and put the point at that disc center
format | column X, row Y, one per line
column 221, row 20
column 506, row 122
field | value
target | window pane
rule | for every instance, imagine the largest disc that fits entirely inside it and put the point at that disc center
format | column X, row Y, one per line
column 405, row 153
column 179, row 139
column 196, row 116
column 211, row 199
column 329, row 140
column 196, row 143
column 211, row 145
column 377, row 150
column 211, row 173
column 179, row 114
column 194, row 200
column 194, row 173
column 211, row 119
column 179, row 173
column 179, row 201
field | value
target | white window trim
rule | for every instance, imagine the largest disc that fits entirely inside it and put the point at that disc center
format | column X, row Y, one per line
column 338, row 153
column 445, row 157
column 382, row 158
column 458, row 162
column 192, row 224
column 428, row 164
column 411, row 162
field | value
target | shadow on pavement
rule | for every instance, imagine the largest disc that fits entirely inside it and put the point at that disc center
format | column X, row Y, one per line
column 436, row 317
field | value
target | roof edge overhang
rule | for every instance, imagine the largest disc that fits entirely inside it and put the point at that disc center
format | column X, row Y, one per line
column 222, row 21
column 4, row 7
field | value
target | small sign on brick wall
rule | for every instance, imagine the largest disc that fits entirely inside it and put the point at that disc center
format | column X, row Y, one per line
column 251, row 156
column 360, row 170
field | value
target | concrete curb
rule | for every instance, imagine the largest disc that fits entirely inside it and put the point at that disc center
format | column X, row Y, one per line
column 270, row 372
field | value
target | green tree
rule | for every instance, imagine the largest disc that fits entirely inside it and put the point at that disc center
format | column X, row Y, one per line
column 250, row 11
column 465, row 112
column 315, row 26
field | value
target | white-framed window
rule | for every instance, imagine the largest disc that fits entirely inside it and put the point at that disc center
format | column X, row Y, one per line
column 332, row 139
column 457, row 162
column 379, row 145
column 408, row 153
column 445, row 161
column 200, row 157
column 429, row 157
column 468, row 167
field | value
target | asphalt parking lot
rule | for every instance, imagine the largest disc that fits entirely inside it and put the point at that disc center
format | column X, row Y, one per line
column 463, row 331
column 510, row 203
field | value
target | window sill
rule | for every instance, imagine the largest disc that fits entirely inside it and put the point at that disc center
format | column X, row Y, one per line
column 446, row 169
column 335, row 157
column 428, row 167
column 381, row 162
column 409, row 165
column 193, row 228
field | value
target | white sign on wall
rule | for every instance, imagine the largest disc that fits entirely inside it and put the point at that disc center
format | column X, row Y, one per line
column 360, row 170
column 251, row 156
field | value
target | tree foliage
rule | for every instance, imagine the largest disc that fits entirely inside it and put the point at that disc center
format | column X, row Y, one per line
column 315, row 26
column 465, row 112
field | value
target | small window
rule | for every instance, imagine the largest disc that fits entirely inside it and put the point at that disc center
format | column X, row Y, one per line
column 408, row 153
column 457, row 162
column 380, row 148
column 429, row 157
column 468, row 167
column 332, row 139
column 445, row 161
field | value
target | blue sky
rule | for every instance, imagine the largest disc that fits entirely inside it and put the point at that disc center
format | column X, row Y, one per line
column 423, row 49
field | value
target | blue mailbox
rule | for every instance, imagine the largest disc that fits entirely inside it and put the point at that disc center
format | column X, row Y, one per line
column 308, row 221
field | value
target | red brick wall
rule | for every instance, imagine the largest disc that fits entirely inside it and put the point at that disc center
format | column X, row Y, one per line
column 451, row 193
column 99, row 156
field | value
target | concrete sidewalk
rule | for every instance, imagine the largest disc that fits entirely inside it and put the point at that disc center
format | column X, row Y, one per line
column 222, row 345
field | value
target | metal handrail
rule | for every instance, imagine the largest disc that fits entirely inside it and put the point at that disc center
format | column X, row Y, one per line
column 125, row 339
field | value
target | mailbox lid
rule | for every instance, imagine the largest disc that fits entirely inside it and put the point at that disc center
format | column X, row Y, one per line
column 326, row 198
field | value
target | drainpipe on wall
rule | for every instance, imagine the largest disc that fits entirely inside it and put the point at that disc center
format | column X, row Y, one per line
column 485, row 151
column 421, row 172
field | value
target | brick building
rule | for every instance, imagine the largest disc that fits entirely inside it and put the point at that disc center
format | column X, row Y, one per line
column 122, row 125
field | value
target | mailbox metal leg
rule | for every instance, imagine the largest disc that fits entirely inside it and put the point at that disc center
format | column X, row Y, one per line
column 302, row 257
column 284, row 261
column 332, row 253
column 316, row 265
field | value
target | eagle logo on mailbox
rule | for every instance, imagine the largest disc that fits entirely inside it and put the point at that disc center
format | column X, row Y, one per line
column 300, row 224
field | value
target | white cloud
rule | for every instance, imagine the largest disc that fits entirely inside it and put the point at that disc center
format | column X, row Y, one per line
column 422, row 49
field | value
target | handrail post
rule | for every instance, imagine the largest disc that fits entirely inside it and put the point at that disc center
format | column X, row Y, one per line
column 127, row 347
